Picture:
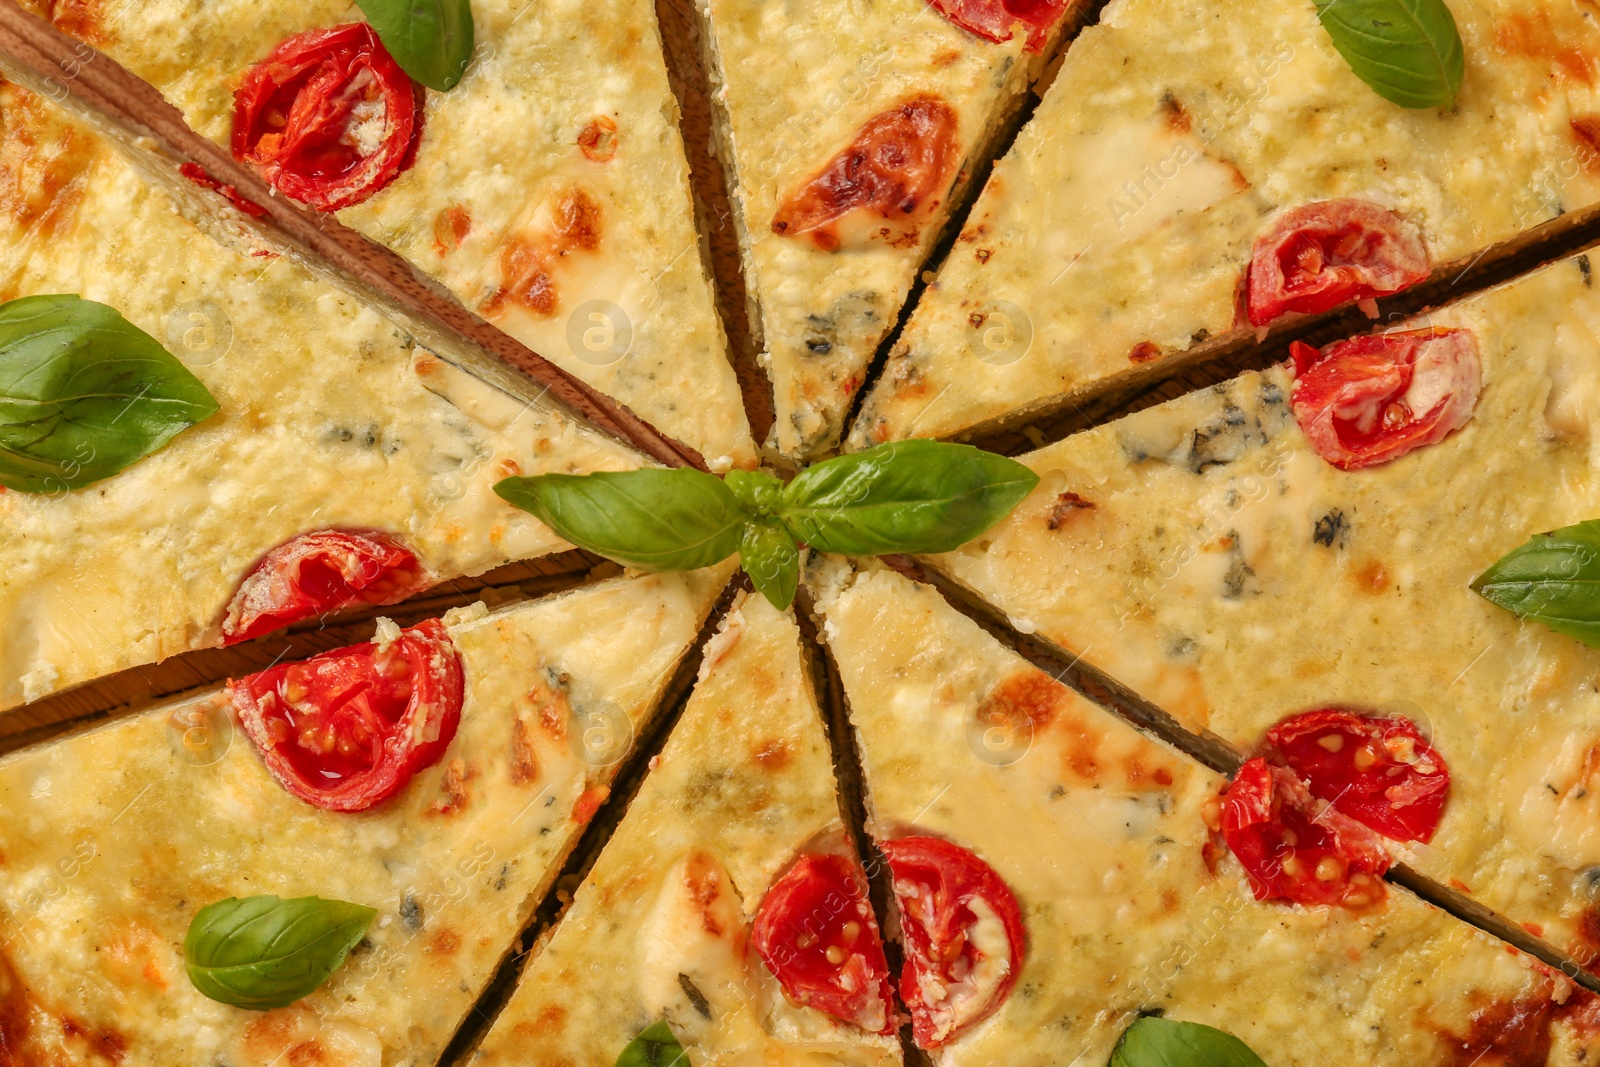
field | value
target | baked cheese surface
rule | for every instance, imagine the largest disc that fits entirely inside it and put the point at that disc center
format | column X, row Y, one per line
column 795, row 81
column 498, row 161
column 1101, row 834
column 1203, row 553
column 1119, row 227
column 330, row 417
column 115, row 838
column 743, row 785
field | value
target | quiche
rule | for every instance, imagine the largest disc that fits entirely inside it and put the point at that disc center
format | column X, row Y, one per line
column 733, row 840
column 995, row 791
column 1285, row 559
column 114, row 839
column 548, row 190
column 346, row 463
column 1199, row 170
column 849, row 131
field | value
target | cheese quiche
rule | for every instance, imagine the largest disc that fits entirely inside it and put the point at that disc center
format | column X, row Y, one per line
column 849, row 129
column 727, row 908
column 1057, row 877
column 1197, row 170
column 345, row 464
column 548, row 190
column 114, row 839
column 1285, row 559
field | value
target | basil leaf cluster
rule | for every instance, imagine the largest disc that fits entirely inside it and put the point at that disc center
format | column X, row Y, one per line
column 263, row 952
column 432, row 40
column 654, row 1047
column 1408, row 51
column 906, row 496
column 1553, row 579
column 84, row 393
column 1156, row 1042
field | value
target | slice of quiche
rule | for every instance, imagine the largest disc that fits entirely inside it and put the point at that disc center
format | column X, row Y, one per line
column 728, row 913
column 1286, row 560
column 548, row 190
column 849, row 130
column 1197, row 171
column 345, row 463
column 1059, row 875
column 501, row 732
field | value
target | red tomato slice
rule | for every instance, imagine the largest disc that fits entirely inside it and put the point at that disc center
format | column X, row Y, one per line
column 1372, row 399
column 329, row 117
column 346, row 730
column 816, row 933
column 1318, row 256
column 320, row 572
column 888, row 179
column 963, row 936
column 995, row 20
column 1379, row 771
column 1295, row 847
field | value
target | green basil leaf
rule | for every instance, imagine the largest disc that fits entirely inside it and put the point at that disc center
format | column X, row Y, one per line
column 431, row 39
column 84, row 393
column 769, row 556
column 1553, row 579
column 659, row 520
column 906, row 496
column 1408, row 51
column 654, row 1047
column 263, row 952
column 758, row 491
column 1156, row 1042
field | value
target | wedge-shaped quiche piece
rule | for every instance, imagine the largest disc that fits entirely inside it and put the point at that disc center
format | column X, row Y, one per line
column 1198, row 171
column 731, row 855
column 996, row 792
column 1285, row 560
column 114, row 839
column 345, row 463
column 548, row 190
column 849, row 131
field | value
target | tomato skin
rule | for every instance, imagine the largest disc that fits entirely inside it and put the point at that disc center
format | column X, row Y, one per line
column 1356, row 400
column 346, row 730
column 295, row 113
column 995, row 20
column 197, row 174
column 1320, row 255
column 937, row 885
column 808, row 912
column 319, row 572
column 886, row 180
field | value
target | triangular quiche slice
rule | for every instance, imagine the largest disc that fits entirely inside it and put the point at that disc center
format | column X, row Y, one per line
column 849, row 131
column 345, row 465
column 1287, row 559
column 116, row 838
column 728, row 912
column 1058, row 876
column 1198, row 171
column 548, row 190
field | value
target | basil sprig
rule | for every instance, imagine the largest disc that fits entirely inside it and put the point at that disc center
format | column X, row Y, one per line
column 85, row 393
column 654, row 1047
column 908, row 496
column 1553, row 579
column 1156, row 1042
column 1408, row 51
column 432, row 40
column 263, row 952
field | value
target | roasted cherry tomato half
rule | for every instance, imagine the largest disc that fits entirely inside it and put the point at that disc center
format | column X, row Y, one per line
column 963, row 936
column 816, row 933
column 1379, row 771
column 887, row 180
column 320, row 572
column 346, row 730
column 996, row 20
column 1372, row 399
column 1318, row 256
column 1295, row 847
column 329, row 117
